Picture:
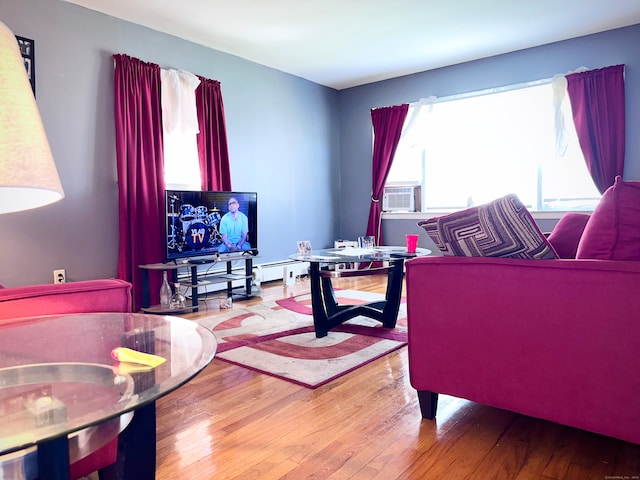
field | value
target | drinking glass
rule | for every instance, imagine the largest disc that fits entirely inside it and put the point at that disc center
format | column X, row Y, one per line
column 412, row 242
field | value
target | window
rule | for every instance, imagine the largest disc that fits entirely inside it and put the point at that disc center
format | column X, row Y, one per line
column 471, row 149
column 181, row 163
column 180, row 128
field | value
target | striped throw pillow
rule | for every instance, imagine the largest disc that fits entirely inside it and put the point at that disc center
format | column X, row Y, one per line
column 501, row 228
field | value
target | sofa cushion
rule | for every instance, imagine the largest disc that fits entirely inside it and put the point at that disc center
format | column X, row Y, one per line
column 501, row 228
column 565, row 236
column 613, row 231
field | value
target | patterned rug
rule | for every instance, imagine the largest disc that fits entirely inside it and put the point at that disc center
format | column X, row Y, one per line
column 277, row 338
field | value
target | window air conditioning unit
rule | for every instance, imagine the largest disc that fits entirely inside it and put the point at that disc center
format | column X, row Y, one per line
column 401, row 198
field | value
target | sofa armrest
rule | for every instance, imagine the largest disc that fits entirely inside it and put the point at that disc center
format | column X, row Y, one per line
column 554, row 339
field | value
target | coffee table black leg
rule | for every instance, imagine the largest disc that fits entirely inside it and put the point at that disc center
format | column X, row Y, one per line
column 136, row 448
column 320, row 319
column 53, row 459
column 394, row 294
column 329, row 299
column 327, row 312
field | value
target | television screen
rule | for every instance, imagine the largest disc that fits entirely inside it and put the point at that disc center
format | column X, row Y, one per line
column 210, row 223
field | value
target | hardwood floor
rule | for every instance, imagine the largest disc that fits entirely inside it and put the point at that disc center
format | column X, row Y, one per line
column 233, row 423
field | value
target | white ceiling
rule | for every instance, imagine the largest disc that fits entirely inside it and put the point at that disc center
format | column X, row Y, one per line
column 345, row 43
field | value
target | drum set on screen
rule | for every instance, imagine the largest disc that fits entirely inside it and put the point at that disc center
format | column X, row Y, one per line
column 193, row 228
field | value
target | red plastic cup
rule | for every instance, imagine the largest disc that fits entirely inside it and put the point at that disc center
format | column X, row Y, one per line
column 412, row 242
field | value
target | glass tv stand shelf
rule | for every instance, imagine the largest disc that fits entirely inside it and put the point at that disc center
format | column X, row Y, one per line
column 200, row 278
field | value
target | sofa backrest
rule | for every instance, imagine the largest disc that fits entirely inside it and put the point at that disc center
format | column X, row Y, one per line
column 89, row 296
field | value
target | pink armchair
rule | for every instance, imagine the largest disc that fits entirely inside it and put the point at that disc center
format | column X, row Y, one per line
column 107, row 295
column 553, row 339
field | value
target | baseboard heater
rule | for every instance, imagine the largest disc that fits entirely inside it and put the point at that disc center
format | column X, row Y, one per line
column 281, row 270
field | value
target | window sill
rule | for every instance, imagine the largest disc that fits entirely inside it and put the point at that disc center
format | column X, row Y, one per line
column 552, row 215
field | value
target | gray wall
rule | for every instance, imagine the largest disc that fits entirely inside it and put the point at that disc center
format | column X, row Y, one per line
column 594, row 51
column 282, row 133
column 306, row 149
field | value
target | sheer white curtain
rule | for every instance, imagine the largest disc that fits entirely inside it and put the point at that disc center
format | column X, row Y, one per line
column 411, row 128
column 180, row 127
column 559, row 87
column 407, row 158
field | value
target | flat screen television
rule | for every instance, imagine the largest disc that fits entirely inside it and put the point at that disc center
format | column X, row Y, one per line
column 201, row 223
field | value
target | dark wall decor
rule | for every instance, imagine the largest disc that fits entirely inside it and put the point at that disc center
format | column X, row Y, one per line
column 28, row 55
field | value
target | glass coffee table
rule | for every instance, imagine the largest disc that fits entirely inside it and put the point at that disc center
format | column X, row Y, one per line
column 60, row 387
column 327, row 313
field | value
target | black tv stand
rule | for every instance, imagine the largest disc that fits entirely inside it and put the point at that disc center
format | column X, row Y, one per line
column 198, row 281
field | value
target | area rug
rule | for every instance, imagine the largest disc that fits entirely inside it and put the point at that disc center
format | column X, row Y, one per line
column 277, row 339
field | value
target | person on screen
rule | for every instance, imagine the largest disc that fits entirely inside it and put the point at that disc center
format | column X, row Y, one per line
column 234, row 227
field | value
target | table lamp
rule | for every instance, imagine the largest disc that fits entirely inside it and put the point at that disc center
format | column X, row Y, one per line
column 28, row 175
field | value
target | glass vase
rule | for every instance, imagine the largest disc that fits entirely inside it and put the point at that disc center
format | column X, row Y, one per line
column 178, row 301
column 165, row 291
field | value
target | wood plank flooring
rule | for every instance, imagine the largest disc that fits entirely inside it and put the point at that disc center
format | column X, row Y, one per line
column 232, row 423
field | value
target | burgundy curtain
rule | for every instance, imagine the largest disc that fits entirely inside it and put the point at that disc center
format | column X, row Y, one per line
column 140, row 160
column 597, row 101
column 387, row 127
column 212, row 139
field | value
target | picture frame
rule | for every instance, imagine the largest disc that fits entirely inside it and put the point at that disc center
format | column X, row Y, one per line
column 304, row 247
column 27, row 50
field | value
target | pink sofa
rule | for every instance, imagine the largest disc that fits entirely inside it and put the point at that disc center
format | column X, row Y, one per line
column 108, row 295
column 553, row 339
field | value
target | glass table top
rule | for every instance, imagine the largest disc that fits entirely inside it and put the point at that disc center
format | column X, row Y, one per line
column 58, row 376
column 357, row 254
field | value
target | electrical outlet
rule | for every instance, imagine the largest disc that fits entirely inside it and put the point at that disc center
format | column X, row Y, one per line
column 59, row 276
column 289, row 276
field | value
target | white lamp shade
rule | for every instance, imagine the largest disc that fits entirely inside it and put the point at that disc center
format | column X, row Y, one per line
column 28, row 175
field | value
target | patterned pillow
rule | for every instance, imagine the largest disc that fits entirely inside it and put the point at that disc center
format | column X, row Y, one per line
column 502, row 228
